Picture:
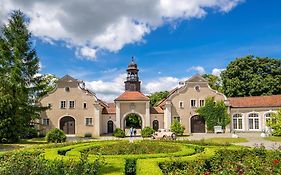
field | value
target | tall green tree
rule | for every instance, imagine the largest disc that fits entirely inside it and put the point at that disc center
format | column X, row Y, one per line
column 214, row 81
column 252, row 76
column 19, row 66
column 214, row 113
column 157, row 97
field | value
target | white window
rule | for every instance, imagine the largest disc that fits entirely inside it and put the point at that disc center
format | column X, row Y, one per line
column 63, row 104
column 237, row 121
column 193, row 103
column 269, row 118
column 85, row 105
column 177, row 118
column 45, row 121
column 71, row 104
column 254, row 123
column 89, row 121
column 201, row 103
column 181, row 105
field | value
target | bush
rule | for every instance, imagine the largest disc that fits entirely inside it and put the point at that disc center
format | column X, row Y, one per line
column 29, row 133
column 56, row 136
column 275, row 123
column 27, row 163
column 130, row 167
column 177, row 127
column 88, row 134
column 119, row 133
column 147, row 132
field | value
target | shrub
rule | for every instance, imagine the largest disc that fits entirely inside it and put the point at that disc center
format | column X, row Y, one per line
column 177, row 127
column 56, row 136
column 119, row 133
column 130, row 167
column 147, row 132
column 275, row 123
column 27, row 163
column 88, row 134
column 29, row 133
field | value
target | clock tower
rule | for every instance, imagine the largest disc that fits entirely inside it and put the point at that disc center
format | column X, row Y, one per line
column 132, row 83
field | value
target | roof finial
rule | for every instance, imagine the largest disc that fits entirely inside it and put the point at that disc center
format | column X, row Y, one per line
column 133, row 59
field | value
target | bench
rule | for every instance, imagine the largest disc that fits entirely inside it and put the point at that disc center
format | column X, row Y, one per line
column 218, row 129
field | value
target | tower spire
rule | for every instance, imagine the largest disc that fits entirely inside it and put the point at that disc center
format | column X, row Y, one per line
column 132, row 83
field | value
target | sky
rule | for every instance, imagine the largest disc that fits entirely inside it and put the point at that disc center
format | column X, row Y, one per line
column 171, row 40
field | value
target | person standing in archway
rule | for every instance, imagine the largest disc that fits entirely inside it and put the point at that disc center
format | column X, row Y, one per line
column 135, row 132
column 131, row 131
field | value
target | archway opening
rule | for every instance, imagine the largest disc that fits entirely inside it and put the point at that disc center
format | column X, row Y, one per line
column 67, row 124
column 155, row 125
column 133, row 120
column 197, row 124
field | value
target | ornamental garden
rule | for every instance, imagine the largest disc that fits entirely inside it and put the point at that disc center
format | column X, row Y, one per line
column 22, row 89
column 140, row 157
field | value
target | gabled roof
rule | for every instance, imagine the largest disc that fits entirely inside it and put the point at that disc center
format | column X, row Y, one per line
column 110, row 109
column 132, row 96
column 156, row 110
column 256, row 101
column 197, row 78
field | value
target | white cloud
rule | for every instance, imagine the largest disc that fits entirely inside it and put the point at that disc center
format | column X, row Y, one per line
column 161, row 84
column 96, row 25
column 199, row 69
column 217, row 72
column 86, row 52
column 108, row 90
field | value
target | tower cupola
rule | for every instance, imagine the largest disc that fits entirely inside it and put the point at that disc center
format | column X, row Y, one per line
column 132, row 83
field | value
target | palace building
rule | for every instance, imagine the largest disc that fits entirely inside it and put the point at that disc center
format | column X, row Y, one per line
column 77, row 111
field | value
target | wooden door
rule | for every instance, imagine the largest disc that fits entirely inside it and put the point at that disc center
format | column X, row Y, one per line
column 67, row 124
column 155, row 124
column 110, row 126
column 197, row 124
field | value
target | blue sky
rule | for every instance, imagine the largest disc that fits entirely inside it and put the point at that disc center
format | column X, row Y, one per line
column 167, row 51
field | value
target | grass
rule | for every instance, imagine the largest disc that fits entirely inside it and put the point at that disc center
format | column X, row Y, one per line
column 273, row 139
column 22, row 144
column 225, row 140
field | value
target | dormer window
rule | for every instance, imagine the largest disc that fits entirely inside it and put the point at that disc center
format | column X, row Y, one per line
column 66, row 89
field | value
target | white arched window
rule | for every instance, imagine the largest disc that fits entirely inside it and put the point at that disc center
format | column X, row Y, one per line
column 237, row 121
column 269, row 117
column 254, row 122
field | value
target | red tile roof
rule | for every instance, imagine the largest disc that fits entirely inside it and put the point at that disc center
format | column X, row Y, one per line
column 156, row 110
column 110, row 109
column 256, row 101
column 132, row 96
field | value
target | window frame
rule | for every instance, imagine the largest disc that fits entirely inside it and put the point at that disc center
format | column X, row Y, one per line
column 64, row 104
column 181, row 104
column 86, row 121
column 253, row 122
column 45, row 121
column 195, row 103
column 69, row 102
column 234, row 117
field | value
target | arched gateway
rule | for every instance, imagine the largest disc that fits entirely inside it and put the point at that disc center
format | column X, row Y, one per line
column 67, row 124
column 133, row 120
column 197, row 124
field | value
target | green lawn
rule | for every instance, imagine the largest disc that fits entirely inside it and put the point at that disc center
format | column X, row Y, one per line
column 273, row 139
column 21, row 144
column 226, row 140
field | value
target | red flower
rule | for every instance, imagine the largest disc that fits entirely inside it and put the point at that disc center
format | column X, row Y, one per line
column 276, row 161
column 206, row 173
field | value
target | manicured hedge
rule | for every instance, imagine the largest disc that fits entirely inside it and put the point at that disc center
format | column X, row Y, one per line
column 143, row 164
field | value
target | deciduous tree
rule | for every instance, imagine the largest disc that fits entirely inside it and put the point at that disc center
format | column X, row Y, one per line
column 252, row 76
